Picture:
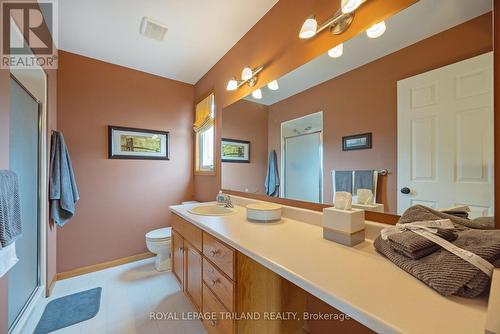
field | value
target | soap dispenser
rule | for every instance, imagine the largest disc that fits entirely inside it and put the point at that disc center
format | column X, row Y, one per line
column 220, row 198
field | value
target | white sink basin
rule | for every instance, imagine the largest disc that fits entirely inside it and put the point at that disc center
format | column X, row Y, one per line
column 211, row 210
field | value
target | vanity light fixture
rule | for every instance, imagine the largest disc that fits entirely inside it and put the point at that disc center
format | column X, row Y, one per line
column 336, row 51
column 257, row 94
column 248, row 76
column 273, row 85
column 232, row 84
column 337, row 24
column 349, row 6
column 376, row 30
column 309, row 28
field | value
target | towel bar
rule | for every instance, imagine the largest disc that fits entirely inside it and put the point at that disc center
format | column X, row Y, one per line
column 383, row 172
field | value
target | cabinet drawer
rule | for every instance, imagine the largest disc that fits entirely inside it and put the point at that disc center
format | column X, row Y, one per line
column 219, row 253
column 188, row 231
column 219, row 284
column 211, row 305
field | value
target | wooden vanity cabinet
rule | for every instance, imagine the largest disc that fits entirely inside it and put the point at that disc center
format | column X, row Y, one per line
column 193, row 275
column 219, row 280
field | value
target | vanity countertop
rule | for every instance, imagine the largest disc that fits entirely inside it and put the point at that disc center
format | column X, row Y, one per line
column 355, row 280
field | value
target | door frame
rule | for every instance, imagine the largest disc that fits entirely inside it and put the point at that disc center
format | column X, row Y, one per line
column 283, row 154
column 34, row 301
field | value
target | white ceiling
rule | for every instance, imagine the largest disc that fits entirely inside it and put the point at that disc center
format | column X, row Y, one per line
column 420, row 21
column 199, row 33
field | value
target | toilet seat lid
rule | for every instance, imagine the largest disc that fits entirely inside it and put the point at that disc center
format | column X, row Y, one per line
column 160, row 234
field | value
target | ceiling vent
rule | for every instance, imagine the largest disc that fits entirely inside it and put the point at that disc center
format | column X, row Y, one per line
column 153, row 29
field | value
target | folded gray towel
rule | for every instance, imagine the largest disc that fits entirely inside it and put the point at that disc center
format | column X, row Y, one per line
column 420, row 212
column 343, row 180
column 416, row 246
column 10, row 208
column 444, row 271
column 63, row 192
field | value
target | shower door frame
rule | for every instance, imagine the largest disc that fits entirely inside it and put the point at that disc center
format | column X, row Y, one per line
column 37, row 295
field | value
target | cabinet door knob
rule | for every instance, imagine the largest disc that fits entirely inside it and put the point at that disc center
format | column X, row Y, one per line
column 405, row 190
column 213, row 252
column 181, row 249
column 214, row 281
column 213, row 323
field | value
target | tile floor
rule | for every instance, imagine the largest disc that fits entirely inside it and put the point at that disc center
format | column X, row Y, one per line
column 129, row 293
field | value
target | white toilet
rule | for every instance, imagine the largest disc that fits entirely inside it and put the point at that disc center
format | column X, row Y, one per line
column 158, row 242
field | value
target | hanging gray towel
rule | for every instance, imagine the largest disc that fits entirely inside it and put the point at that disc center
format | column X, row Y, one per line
column 343, row 180
column 363, row 179
column 62, row 185
column 10, row 208
column 272, row 182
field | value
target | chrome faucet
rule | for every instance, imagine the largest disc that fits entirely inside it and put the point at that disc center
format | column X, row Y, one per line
column 224, row 200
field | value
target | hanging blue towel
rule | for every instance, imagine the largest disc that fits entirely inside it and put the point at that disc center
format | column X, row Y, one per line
column 364, row 179
column 10, row 208
column 343, row 180
column 272, row 182
column 62, row 185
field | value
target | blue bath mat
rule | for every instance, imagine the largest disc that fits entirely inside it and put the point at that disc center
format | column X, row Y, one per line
column 69, row 310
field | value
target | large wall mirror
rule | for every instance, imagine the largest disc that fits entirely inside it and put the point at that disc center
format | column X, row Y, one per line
column 398, row 120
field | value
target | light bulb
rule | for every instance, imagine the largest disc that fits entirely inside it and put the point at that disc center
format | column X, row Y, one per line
column 349, row 6
column 247, row 73
column 336, row 51
column 376, row 30
column 257, row 94
column 309, row 28
column 232, row 84
column 273, row 85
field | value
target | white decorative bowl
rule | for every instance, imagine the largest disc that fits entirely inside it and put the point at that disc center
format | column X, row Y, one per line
column 263, row 212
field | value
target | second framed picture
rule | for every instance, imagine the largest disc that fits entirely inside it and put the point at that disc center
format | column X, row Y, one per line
column 357, row 142
column 234, row 150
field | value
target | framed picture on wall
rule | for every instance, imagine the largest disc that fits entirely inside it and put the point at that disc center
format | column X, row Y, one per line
column 132, row 143
column 357, row 142
column 233, row 150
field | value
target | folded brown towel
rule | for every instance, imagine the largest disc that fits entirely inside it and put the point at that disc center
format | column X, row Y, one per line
column 447, row 273
column 415, row 246
column 420, row 212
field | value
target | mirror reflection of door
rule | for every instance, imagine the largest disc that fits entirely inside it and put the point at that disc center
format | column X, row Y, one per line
column 302, row 151
column 445, row 137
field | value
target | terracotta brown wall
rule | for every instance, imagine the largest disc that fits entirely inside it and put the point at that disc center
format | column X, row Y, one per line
column 365, row 100
column 120, row 200
column 274, row 43
column 246, row 120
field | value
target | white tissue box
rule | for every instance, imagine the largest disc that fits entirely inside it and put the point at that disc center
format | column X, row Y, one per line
column 346, row 221
column 346, row 239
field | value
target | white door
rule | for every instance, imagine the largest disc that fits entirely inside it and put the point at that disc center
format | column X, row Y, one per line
column 303, row 178
column 445, row 137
